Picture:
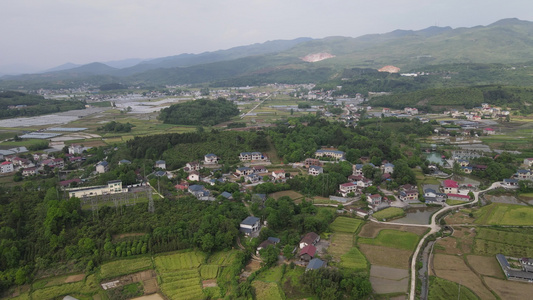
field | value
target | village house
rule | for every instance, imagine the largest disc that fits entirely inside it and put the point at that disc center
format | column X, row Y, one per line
column 528, row 162
column 315, row 264
column 523, row 174
column 488, row 131
column 450, row 186
column 467, row 170
column 432, row 194
column 210, row 159
column 510, row 183
column 460, row 197
column 112, row 187
column 250, row 225
column 6, row 167
column 339, row 155
column 388, row 168
column 269, row 241
column 102, row 167
column 243, row 171
column 312, row 162
column 278, row 174
column 346, row 188
column 512, row 273
column 374, row 200
column 182, row 186
column 30, row 171
column 315, row 170
column 259, row 169
column 77, row 149
column 199, row 191
column 310, row 238
column 194, row 176
column 244, row 156
column 408, row 193
column 364, row 183
column 307, row 252
column 160, row 164
column 252, row 178
column 192, row 166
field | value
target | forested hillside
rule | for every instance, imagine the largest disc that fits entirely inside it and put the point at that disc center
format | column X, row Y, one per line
column 17, row 104
column 200, row 112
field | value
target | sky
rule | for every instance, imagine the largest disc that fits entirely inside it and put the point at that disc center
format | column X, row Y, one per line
column 41, row 34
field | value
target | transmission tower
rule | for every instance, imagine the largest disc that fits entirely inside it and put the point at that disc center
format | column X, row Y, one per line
column 151, row 207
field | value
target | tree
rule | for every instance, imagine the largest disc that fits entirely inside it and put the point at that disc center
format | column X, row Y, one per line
column 269, row 255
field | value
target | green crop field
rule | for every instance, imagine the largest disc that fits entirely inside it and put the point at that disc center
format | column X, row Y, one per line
column 505, row 214
column 182, row 284
column 222, row 258
column 455, row 202
column 354, row 259
column 178, row 261
column 393, row 239
column 441, row 289
column 344, row 224
column 267, row 290
column 209, row 271
column 389, row 213
column 125, row 266
column 86, row 287
column 492, row 242
column 271, row 275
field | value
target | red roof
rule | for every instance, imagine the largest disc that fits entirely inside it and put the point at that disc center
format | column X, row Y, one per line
column 309, row 249
column 450, row 183
column 347, row 184
column 488, row 129
column 6, row 163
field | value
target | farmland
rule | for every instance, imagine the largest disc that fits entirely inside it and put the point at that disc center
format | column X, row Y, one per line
column 182, row 284
column 209, row 271
column 267, row 290
column 486, row 265
column 492, row 242
column 441, row 289
column 344, row 224
column 393, row 239
column 508, row 289
column 122, row 267
column 389, row 213
column 371, row 229
column 179, row 261
column 354, row 259
column 505, row 214
column 385, row 256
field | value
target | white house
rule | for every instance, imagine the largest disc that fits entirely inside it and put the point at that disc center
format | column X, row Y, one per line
column 315, row 170
column 112, row 187
column 102, row 167
column 6, row 167
column 250, row 225
column 329, row 153
column 278, row 174
column 161, row 164
column 192, row 166
column 194, row 176
column 210, row 158
column 346, row 188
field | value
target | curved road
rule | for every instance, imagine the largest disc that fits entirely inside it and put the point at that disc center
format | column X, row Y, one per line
column 435, row 228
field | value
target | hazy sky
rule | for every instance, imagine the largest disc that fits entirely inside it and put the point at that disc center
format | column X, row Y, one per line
column 47, row 33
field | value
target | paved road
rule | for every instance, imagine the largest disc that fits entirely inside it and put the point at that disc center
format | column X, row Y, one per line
column 435, row 228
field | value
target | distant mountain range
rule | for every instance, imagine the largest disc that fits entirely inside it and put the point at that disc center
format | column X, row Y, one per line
column 506, row 41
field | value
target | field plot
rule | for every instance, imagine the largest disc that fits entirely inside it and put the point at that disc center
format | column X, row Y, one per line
column 178, row 261
column 393, row 239
column 460, row 217
column 389, row 213
column 354, row 259
column 222, row 258
column 267, row 290
column 385, row 256
column 510, row 290
column 183, row 284
column 505, row 214
column 341, row 243
column 441, row 289
column 486, row 265
column 459, row 243
column 492, row 242
column 371, row 229
column 387, row 280
column 88, row 287
column 453, row 268
column 292, row 286
column 344, row 224
column 209, row 271
column 125, row 266
column 292, row 194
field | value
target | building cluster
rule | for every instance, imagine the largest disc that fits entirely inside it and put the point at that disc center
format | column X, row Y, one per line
column 486, row 111
column 522, row 271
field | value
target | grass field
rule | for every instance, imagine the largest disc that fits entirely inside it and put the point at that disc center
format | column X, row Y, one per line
column 393, row 239
column 209, row 271
column 442, row 289
column 271, row 275
column 292, row 285
column 267, row 290
column 222, row 258
column 372, row 229
column 290, row 193
column 178, row 261
column 455, row 202
column 354, row 259
column 389, row 213
column 505, row 214
column 344, row 224
column 125, row 266
column 385, row 256
column 341, row 243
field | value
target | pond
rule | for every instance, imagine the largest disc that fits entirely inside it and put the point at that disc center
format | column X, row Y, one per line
column 435, row 158
column 417, row 215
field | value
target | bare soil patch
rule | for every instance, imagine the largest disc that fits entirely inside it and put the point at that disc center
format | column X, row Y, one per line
column 209, row 283
column 449, row 244
column 75, row 278
column 148, row 278
column 385, row 256
column 510, row 290
column 252, row 266
column 371, row 229
column 150, row 297
column 486, row 265
column 150, row 286
column 453, row 268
